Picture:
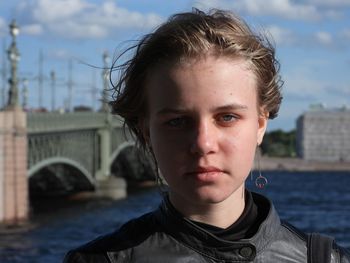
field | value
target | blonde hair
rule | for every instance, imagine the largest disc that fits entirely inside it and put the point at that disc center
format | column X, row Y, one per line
column 193, row 35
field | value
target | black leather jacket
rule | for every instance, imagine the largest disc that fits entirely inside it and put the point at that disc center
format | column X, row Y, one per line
column 163, row 236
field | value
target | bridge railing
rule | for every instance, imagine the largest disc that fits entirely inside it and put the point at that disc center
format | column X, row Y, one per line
column 55, row 122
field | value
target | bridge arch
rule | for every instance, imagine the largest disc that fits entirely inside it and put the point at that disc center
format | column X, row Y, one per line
column 121, row 147
column 129, row 162
column 60, row 160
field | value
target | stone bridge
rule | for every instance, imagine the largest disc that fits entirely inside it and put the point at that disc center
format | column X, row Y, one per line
column 77, row 151
column 43, row 154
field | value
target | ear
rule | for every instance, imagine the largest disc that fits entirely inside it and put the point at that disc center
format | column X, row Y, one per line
column 262, row 125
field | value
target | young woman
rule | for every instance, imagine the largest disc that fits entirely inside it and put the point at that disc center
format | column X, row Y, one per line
column 198, row 93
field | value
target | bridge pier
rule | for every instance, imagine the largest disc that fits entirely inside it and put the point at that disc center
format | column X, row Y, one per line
column 113, row 188
column 13, row 167
column 107, row 185
column 105, row 151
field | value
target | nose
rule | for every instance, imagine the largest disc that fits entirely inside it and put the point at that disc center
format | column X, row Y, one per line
column 204, row 139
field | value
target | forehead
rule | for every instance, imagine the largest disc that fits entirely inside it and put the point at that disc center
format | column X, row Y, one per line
column 199, row 66
column 208, row 79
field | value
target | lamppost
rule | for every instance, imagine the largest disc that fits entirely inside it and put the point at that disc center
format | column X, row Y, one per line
column 105, row 77
column 53, row 90
column 14, row 57
column 4, row 78
column 25, row 94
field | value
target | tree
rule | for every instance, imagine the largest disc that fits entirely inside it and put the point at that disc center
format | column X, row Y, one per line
column 279, row 144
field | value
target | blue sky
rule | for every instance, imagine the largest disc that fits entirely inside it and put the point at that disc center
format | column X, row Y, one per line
column 312, row 39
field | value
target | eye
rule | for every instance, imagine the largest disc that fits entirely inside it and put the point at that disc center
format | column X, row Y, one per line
column 177, row 122
column 227, row 118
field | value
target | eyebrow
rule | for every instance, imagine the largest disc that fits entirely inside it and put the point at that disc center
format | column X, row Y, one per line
column 233, row 106
column 170, row 111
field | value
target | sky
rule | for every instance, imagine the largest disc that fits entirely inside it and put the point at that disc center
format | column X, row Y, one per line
column 312, row 39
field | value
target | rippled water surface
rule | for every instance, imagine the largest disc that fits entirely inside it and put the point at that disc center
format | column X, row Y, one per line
column 314, row 202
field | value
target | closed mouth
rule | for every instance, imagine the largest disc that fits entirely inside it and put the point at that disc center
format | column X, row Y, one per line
column 201, row 171
column 205, row 174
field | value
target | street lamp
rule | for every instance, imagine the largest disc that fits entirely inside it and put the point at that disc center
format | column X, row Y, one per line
column 14, row 57
column 105, row 77
column 53, row 90
column 25, row 94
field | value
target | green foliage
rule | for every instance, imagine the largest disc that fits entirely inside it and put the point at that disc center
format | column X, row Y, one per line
column 279, row 144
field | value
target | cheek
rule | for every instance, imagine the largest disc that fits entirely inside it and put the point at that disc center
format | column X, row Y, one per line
column 241, row 145
column 245, row 133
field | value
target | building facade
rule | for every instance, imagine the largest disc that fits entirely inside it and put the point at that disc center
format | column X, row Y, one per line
column 324, row 135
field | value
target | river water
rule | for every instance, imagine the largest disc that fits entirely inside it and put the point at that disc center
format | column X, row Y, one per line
column 311, row 201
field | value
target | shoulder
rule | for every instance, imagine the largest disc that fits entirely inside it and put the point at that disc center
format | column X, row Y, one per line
column 129, row 235
column 336, row 253
column 292, row 230
column 287, row 239
column 340, row 254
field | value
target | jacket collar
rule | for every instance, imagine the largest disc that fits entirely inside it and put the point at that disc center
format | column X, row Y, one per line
column 211, row 246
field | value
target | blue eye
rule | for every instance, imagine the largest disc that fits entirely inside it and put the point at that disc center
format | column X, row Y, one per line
column 228, row 118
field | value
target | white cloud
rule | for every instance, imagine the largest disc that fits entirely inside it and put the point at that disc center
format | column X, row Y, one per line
column 282, row 36
column 32, row 29
column 308, row 10
column 323, row 38
column 304, row 85
column 110, row 15
column 281, row 8
column 207, row 4
column 319, row 39
column 76, row 30
column 333, row 14
column 83, row 19
column 330, row 3
column 47, row 11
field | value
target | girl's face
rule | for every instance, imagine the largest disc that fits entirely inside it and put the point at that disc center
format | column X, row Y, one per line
column 203, row 126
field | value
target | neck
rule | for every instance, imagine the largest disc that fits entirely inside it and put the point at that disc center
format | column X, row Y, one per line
column 222, row 214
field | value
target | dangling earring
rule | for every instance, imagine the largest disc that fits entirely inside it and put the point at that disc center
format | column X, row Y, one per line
column 260, row 181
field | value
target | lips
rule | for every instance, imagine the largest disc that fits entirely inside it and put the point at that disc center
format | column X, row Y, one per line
column 207, row 169
column 206, row 174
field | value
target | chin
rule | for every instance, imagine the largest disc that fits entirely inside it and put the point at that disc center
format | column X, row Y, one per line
column 211, row 196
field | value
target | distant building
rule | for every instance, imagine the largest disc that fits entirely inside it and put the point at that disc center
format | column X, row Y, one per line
column 324, row 134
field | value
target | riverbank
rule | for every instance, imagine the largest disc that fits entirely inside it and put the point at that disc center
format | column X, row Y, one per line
column 299, row 165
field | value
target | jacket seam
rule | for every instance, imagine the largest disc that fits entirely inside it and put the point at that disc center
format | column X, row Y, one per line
column 290, row 229
column 206, row 255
